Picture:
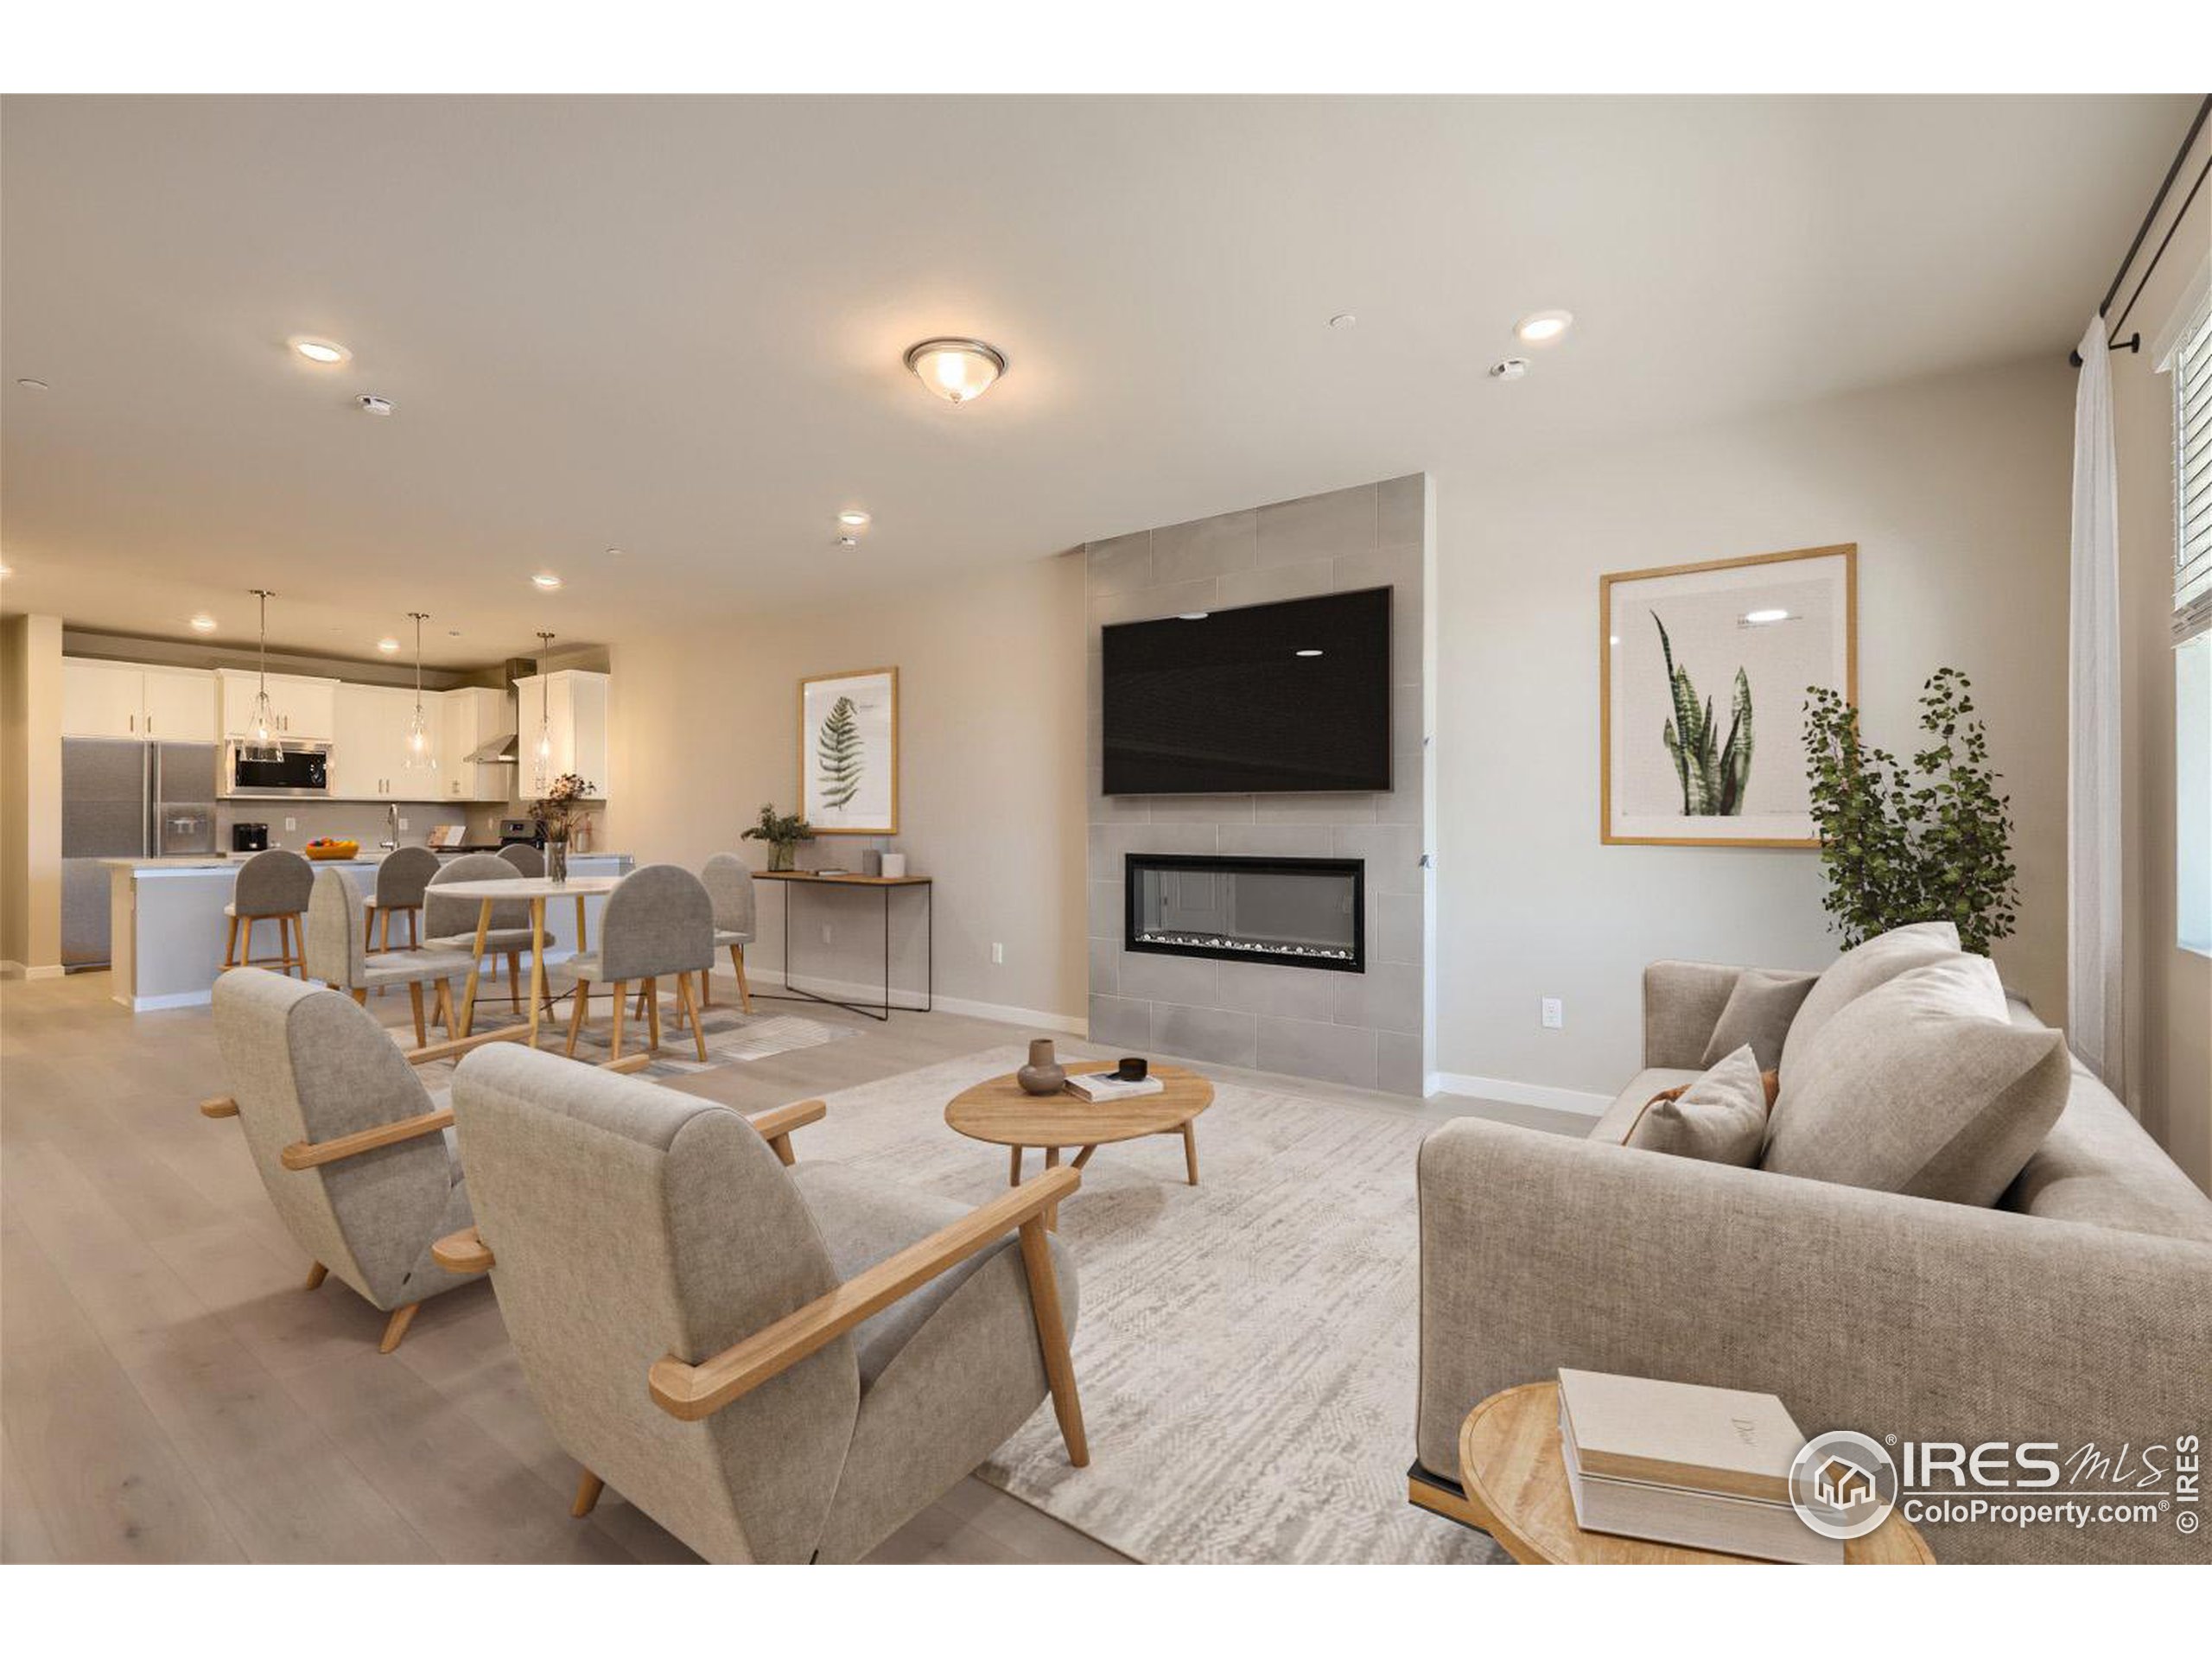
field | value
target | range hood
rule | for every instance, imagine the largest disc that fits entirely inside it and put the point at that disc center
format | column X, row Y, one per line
column 501, row 748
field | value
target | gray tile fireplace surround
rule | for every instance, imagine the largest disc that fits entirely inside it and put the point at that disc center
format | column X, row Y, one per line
column 1360, row 1029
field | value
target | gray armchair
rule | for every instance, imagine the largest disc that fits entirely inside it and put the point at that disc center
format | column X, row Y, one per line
column 728, row 880
column 339, row 956
column 349, row 1145
column 451, row 923
column 776, row 1364
column 658, row 922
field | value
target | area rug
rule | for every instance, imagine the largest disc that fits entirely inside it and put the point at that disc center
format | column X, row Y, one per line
column 1246, row 1348
column 731, row 1037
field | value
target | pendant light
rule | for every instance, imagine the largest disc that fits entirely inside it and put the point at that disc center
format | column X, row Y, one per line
column 545, row 718
column 261, row 725
column 422, row 754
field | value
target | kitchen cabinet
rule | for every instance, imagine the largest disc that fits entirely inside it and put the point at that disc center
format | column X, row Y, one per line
column 101, row 699
column 306, row 708
column 573, row 704
column 474, row 716
column 369, row 753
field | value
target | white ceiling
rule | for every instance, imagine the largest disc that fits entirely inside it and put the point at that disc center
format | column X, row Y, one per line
column 674, row 325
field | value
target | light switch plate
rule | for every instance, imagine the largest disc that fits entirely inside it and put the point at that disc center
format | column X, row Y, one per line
column 1554, row 1013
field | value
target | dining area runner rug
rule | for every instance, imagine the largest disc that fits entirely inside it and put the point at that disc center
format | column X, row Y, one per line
column 732, row 1036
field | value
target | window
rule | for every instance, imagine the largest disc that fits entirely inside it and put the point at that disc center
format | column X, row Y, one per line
column 2192, row 373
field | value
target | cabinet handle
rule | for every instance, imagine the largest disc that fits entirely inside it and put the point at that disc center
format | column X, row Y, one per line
column 133, row 719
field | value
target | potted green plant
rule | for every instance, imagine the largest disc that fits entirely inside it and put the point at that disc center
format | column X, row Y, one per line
column 1930, row 843
column 783, row 833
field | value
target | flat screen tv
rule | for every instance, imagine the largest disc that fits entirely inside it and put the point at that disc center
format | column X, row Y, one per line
column 1267, row 699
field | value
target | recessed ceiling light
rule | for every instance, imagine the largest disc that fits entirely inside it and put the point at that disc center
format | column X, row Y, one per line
column 7, row 569
column 318, row 351
column 1509, row 368
column 1540, row 327
column 1192, row 616
column 1344, row 320
column 546, row 580
column 203, row 623
column 388, row 644
column 30, row 385
column 853, row 519
column 959, row 371
column 1309, row 652
column 1756, row 617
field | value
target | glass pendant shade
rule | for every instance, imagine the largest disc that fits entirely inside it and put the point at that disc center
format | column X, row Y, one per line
column 261, row 725
column 544, row 755
column 421, row 750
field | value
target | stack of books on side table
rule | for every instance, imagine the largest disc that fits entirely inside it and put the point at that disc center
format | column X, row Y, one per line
column 1100, row 1086
column 1680, row 1464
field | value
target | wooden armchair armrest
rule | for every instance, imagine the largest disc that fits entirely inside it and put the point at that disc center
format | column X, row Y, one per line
column 462, row 1252
column 692, row 1392
column 775, row 1125
column 446, row 1051
column 312, row 1154
column 221, row 1106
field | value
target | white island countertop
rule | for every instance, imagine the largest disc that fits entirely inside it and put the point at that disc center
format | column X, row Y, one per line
column 369, row 858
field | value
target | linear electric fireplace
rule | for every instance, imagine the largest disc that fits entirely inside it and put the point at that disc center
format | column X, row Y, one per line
column 1296, row 912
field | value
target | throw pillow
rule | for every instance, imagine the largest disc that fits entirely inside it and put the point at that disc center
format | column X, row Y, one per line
column 1922, row 1086
column 1720, row 1118
column 1758, row 1012
column 1858, row 971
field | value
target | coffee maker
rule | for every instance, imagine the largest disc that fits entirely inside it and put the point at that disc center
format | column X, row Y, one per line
column 249, row 837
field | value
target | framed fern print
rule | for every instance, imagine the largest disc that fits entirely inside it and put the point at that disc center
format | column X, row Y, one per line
column 1702, row 670
column 848, row 752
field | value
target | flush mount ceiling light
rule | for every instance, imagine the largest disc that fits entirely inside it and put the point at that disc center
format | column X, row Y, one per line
column 202, row 623
column 1509, row 368
column 388, row 644
column 1541, row 327
column 854, row 519
column 959, row 371
column 325, row 352
column 546, row 581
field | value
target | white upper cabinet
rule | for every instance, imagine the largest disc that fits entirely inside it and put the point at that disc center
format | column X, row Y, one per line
column 171, row 705
column 474, row 716
column 368, row 741
column 306, row 708
column 574, row 701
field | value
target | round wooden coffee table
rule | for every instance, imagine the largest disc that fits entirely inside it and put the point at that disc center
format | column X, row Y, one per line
column 1516, row 1480
column 1001, row 1111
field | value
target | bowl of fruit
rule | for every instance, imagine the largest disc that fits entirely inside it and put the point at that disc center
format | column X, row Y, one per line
column 324, row 847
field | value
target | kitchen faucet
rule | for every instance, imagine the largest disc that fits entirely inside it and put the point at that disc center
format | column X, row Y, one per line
column 391, row 828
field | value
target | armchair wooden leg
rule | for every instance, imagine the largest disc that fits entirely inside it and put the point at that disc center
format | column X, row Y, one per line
column 1052, row 1339
column 691, row 1007
column 587, row 1490
column 577, row 1015
column 395, row 1327
column 415, row 1001
column 316, row 1274
column 744, row 990
column 621, row 1007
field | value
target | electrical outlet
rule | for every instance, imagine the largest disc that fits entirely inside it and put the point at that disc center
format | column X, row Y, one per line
column 292, row 824
column 403, row 824
column 998, row 954
column 1554, row 1014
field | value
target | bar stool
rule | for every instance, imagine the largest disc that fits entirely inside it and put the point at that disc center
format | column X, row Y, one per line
column 275, row 886
column 400, row 881
column 729, row 883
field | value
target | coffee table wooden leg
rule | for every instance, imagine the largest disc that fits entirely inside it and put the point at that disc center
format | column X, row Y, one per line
column 1082, row 1157
column 1014, row 1167
column 1191, row 1152
column 475, row 967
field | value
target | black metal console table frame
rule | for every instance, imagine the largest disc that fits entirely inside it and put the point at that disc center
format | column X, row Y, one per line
column 792, row 881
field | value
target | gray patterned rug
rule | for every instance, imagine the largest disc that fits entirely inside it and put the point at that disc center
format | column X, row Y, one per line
column 1246, row 1349
column 731, row 1036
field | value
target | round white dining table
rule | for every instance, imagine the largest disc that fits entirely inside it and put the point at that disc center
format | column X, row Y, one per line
column 537, row 889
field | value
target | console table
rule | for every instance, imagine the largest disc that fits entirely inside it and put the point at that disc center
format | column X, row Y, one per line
column 883, row 884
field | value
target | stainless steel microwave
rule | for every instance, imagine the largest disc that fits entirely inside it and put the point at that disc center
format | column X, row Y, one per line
column 300, row 769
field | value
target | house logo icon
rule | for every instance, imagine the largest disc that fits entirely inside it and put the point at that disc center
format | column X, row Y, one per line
column 1843, row 1484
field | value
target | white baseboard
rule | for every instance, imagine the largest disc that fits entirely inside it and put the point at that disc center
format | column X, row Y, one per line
column 12, row 969
column 1069, row 1025
column 172, row 1000
column 1520, row 1093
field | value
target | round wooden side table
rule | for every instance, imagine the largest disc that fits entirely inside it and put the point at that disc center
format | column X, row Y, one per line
column 1516, row 1480
column 1001, row 1111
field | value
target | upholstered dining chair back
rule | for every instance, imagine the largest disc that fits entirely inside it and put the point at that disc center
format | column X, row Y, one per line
column 659, row 921
column 526, row 859
column 401, row 879
column 278, row 882
column 338, row 931
column 630, row 1222
column 728, row 880
column 307, row 1064
column 443, row 917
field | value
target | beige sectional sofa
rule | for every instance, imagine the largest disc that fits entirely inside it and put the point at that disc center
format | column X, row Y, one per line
column 2077, row 1310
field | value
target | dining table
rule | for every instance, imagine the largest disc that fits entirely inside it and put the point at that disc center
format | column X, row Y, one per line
column 537, row 890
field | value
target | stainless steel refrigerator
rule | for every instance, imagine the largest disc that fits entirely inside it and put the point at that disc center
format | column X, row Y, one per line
column 124, row 799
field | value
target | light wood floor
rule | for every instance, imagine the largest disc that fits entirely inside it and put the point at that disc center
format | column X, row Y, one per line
column 168, row 1393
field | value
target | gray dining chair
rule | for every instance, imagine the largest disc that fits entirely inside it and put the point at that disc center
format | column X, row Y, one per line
column 728, row 880
column 338, row 954
column 776, row 1361
column 272, row 885
column 451, row 923
column 659, row 921
column 526, row 859
column 401, row 878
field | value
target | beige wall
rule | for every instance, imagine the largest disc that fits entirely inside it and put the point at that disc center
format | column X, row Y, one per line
column 991, row 779
column 2168, row 995
column 1957, row 491
column 30, row 792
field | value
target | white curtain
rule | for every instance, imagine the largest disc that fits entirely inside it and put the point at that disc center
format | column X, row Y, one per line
column 2094, row 1015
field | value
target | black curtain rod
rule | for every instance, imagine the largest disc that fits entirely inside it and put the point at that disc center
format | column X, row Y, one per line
column 2134, row 342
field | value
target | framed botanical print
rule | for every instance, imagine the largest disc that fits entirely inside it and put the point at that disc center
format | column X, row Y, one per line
column 1701, row 673
column 848, row 752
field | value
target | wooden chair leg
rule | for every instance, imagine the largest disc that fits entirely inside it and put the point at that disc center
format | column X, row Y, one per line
column 744, row 990
column 691, row 1006
column 1191, row 1152
column 576, row 1016
column 707, row 987
column 231, row 944
column 621, row 1007
column 514, row 979
column 588, row 1492
column 316, row 1274
column 443, row 1006
column 414, row 1001
column 652, row 1015
column 246, row 960
column 1052, row 1339
column 395, row 1328
column 414, row 937
column 361, row 994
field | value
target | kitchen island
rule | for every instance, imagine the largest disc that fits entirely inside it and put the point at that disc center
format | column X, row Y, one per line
column 167, row 923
